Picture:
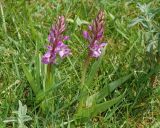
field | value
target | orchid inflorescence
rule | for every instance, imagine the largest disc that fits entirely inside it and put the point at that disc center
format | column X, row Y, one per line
column 94, row 35
column 56, row 46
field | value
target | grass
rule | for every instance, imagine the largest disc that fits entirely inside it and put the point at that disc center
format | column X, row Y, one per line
column 23, row 37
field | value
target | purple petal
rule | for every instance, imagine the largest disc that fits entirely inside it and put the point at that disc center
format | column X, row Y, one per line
column 62, row 49
column 48, row 54
column 45, row 60
column 51, row 37
column 59, row 46
column 49, row 47
column 99, row 35
column 66, row 38
column 103, row 44
column 48, row 58
column 60, row 43
column 90, row 27
column 65, row 51
column 96, row 49
column 96, row 54
column 85, row 34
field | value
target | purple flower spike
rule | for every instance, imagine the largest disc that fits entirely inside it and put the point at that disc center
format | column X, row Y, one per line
column 56, row 46
column 95, row 35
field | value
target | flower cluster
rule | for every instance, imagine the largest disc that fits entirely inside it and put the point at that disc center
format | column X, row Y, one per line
column 56, row 45
column 94, row 35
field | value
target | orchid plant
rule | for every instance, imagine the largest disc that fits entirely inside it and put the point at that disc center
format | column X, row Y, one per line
column 94, row 36
column 91, row 104
column 55, row 48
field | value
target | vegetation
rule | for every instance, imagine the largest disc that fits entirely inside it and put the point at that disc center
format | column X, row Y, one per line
column 119, row 89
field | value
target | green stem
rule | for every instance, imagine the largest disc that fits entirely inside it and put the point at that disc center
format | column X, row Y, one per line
column 83, row 91
column 49, row 72
column 85, row 66
column 48, row 104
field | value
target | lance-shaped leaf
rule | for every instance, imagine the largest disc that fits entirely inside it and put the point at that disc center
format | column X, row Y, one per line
column 106, row 90
column 97, row 108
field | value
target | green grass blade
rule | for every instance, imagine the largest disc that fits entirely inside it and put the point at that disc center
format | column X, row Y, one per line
column 30, row 78
column 37, row 69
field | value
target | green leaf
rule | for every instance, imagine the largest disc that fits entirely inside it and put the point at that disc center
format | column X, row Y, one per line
column 91, row 100
column 97, row 109
column 38, row 68
column 136, row 21
column 106, row 90
column 41, row 95
column 94, row 69
column 122, row 33
column 30, row 78
column 80, row 22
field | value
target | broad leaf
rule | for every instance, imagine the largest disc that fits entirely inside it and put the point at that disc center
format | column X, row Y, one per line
column 106, row 90
column 97, row 109
column 111, row 87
